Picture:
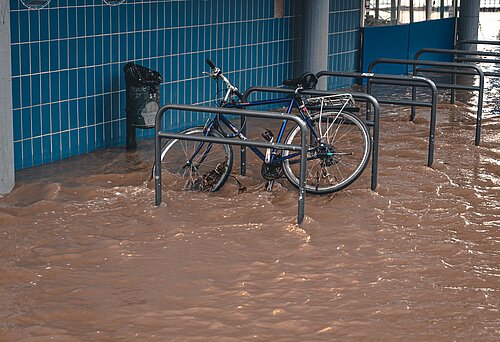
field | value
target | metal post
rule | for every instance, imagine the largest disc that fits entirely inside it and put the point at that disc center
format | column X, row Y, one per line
column 468, row 21
column 7, row 174
column 315, row 36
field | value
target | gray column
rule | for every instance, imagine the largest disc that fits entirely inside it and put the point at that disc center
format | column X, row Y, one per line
column 315, row 37
column 468, row 21
column 6, row 128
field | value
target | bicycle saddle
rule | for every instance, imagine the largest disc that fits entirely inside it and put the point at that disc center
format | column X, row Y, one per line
column 307, row 80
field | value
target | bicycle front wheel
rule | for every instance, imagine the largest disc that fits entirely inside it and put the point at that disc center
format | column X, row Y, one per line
column 335, row 160
column 194, row 165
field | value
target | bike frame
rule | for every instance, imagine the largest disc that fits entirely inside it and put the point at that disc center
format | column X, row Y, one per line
column 292, row 103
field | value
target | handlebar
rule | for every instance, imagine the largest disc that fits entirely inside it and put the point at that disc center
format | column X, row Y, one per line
column 216, row 74
column 210, row 63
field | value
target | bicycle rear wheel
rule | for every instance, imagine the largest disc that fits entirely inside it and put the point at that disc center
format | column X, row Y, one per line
column 338, row 160
column 194, row 165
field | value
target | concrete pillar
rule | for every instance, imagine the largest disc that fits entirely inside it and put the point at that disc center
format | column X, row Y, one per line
column 315, row 15
column 6, row 128
column 468, row 21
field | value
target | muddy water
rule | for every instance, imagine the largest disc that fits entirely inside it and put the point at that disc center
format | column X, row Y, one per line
column 85, row 256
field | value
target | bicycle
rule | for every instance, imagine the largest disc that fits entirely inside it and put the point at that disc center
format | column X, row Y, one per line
column 338, row 152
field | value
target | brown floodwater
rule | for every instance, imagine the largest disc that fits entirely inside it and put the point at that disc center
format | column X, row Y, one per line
column 86, row 256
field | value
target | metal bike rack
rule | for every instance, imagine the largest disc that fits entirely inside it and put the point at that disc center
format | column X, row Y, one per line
column 357, row 96
column 400, row 80
column 476, row 42
column 445, row 68
column 242, row 112
column 456, row 54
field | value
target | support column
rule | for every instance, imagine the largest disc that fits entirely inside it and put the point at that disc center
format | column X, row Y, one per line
column 315, row 15
column 468, row 21
column 6, row 121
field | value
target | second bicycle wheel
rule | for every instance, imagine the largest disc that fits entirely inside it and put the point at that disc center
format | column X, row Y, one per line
column 194, row 165
column 335, row 161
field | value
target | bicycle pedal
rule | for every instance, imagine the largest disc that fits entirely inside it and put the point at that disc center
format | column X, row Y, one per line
column 268, row 135
column 269, row 186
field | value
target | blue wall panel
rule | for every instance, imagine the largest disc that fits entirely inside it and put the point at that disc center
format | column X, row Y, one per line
column 403, row 41
column 385, row 42
column 432, row 34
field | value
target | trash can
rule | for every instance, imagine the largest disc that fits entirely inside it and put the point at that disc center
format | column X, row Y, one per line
column 143, row 99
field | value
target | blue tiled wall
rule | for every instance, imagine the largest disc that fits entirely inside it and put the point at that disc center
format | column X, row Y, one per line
column 67, row 62
column 343, row 44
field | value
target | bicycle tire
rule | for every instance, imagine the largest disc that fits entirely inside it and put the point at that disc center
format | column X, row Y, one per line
column 208, row 175
column 333, row 168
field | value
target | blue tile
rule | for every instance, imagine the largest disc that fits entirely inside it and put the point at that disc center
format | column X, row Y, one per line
column 73, row 138
column 82, row 113
column 18, row 155
column 16, row 92
column 115, row 49
column 72, row 83
column 72, row 53
column 89, row 48
column 64, row 114
column 64, row 85
column 65, row 145
column 81, row 51
column 25, row 91
column 81, row 87
column 80, row 17
column 44, row 57
column 45, row 88
column 16, row 116
column 36, row 121
column 106, row 56
column 35, row 57
column 54, row 87
column 89, row 21
column 63, row 54
column 91, row 139
column 55, row 120
column 56, row 146
column 99, row 105
column 99, row 136
column 90, row 111
column 23, row 23
column 72, row 22
column 53, row 24
column 15, row 60
column 46, row 126
column 54, row 55
column 14, row 25
column 98, row 50
column 98, row 20
column 37, row 151
column 63, row 23
column 114, row 19
column 46, row 149
column 27, row 153
column 34, row 25
column 25, row 59
column 73, row 114
column 82, row 140
column 89, row 77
